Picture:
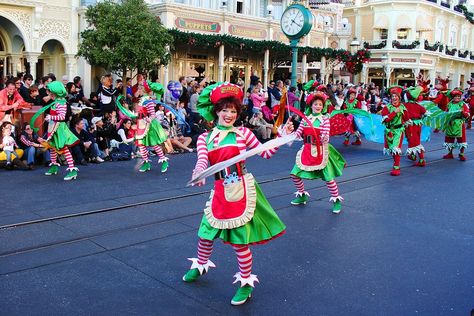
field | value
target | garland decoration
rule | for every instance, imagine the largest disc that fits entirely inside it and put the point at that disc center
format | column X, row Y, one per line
column 375, row 46
column 397, row 44
column 433, row 47
column 463, row 55
column 353, row 62
column 468, row 15
column 450, row 52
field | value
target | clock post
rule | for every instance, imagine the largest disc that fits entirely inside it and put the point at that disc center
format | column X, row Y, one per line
column 294, row 61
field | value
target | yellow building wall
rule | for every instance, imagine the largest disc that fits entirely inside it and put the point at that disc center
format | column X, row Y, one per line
column 367, row 31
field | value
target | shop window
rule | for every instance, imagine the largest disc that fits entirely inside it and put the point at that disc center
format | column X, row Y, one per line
column 402, row 33
column 383, row 34
column 240, row 7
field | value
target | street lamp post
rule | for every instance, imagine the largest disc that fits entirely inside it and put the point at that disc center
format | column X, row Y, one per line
column 384, row 61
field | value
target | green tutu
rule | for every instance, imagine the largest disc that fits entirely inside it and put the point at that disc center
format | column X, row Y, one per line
column 333, row 169
column 156, row 135
column 62, row 137
column 264, row 225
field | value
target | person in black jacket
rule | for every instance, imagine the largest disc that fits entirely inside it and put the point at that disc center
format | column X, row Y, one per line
column 107, row 94
column 87, row 148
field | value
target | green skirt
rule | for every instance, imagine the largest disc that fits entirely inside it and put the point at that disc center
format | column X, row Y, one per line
column 156, row 135
column 62, row 137
column 264, row 226
column 333, row 169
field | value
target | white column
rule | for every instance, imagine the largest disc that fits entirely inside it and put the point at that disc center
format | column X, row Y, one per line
column 5, row 70
column 266, row 62
column 388, row 72
column 70, row 63
column 32, row 58
column 15, row 59
column 323, row 69
column 304, row 68
column 220, row 66
column 364, row 73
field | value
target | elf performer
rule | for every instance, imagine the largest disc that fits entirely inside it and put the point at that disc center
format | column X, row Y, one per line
column 237, row 212
column 60, row 137
column 149, row 134
column 352, row 103
column 413, row 130
column 394, row 117
column 317, row 159
column 455, row 131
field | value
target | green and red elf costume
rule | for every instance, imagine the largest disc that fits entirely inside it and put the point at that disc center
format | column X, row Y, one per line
column 237, row 211
column 59, row 137
column 317, row 159
column 455, row 131
column 352, row 103
column 470, row 102
column 394, row 117
column 416, row 112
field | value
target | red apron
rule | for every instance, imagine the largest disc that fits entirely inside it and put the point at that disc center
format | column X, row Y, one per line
column 314, row 154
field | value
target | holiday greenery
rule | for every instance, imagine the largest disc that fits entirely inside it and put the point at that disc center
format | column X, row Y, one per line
column 464, row 54
column 375, row 46
column 279, row 52
column 397, row 44
column 451, row 52
column 433, row 47
column 468, row 15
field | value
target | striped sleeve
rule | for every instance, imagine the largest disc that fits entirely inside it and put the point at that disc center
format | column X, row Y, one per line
column 26, row 142
column 60, row 112
column 325, row 128
column 251, row 141
column 150, row 108
column 299, row 131
column 202, row 159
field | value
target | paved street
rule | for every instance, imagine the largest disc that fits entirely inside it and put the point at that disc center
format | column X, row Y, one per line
column 120, row 240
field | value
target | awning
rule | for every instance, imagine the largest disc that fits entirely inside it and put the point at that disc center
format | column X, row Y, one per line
column 422, row 25
column 382, row 22
column 404, row 22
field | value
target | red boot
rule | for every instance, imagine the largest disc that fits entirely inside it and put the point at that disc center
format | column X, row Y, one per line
column 462, row 157
column 412, row 157
column 395, row 172
column 448, row 156
column 357, row 142
column 346, row 142
column 421, row 163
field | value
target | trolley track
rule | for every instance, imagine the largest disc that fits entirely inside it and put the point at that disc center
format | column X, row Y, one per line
column 184, row 196
column 57, row 219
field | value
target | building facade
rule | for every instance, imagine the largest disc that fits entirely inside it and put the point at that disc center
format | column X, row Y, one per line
column 406, row 38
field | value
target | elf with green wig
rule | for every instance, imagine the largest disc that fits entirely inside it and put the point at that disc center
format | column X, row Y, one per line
column 60, row 137
column 317, row 159
column 237, row 211
column 350, row 103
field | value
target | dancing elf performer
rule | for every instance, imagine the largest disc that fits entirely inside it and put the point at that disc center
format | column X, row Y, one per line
column 237, row 212
column 394, row 117
column 60, row 137
column 455, row 131
column 352, row 103
column 413, row 130
column 149, row 134
column 317, row 159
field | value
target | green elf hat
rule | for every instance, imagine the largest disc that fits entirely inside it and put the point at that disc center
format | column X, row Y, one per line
column 57, row 88
column 395, row 90
column 414, row 92
column 157, row 88
column 212, row 94
column 310, row 85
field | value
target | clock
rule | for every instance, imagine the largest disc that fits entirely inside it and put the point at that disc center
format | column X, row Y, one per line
column 296, row 21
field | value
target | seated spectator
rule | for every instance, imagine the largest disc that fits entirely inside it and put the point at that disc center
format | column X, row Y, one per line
column 262, row 130
column 73, row 96
column 125, row 143
column 31, row 144
column 27, row 83
column 176, row 137
column 103, row 134
column 8, row 144
column 87, row 149
column 33, row 96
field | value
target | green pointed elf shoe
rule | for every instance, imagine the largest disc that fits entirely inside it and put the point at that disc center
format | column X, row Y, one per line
column 72, row 174
column 301, row 198
column 336, row 206
column 52, row 170
column 145, row 166
column 197, row 269
column 242, row 295
column 164, row 165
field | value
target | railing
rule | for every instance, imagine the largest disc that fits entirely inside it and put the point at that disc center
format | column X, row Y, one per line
column 377, row 44
column 405, row 44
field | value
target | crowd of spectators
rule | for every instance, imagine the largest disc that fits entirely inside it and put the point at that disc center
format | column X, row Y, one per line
column 107, row 134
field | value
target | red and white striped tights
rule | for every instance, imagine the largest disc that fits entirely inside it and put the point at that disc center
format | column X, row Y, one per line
column 331, row 185
column 244, row 256
column 67, row 154
column 156, row 148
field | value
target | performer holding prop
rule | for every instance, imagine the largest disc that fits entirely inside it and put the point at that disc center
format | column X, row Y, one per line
column 237, row 211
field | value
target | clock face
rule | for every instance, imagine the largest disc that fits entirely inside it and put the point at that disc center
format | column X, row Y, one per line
column 292, row 21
